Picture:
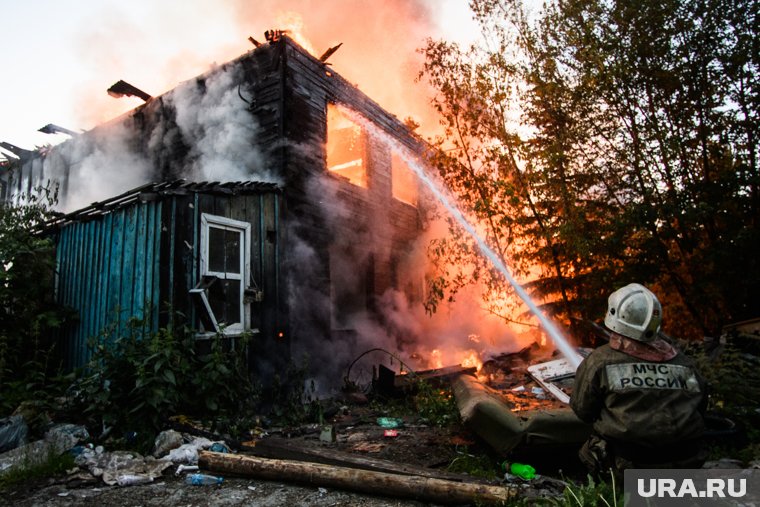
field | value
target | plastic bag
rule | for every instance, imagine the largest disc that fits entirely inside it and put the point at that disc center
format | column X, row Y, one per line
column 13, row 432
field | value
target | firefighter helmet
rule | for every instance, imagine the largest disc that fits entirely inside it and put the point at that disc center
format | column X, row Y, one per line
column 634, row 312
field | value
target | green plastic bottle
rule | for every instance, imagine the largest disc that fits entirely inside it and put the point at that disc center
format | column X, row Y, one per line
column 521, row 470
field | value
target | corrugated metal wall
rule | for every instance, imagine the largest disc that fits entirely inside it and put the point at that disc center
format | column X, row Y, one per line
column 108, row 270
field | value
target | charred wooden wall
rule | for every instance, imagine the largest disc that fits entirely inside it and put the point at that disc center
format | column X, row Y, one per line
column 288, row 92
column 126, row 261
column 327, row 210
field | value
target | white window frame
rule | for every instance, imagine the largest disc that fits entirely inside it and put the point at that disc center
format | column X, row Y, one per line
column 545, row 374
column 208, row 221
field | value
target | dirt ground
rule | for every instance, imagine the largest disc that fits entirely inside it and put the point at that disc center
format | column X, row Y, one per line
column 415, row 445
column 357, row 433
column 172, row 491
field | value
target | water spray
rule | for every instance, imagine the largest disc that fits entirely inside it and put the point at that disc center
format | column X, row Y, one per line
column 559, row 341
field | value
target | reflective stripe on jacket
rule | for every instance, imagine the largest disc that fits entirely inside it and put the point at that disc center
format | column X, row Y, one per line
column 641, row 402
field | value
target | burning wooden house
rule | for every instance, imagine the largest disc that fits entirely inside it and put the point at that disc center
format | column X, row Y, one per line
column 312, row 209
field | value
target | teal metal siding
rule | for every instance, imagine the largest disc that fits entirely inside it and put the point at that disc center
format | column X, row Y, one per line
column 123, row 262
column 108, row 272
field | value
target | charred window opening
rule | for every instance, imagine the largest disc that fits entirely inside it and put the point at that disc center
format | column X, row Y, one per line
column 403, row 181
column 345, row 147
column 225, row 260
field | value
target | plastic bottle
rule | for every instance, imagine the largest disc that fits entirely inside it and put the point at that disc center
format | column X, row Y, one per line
column 133, row 479
column 219, row 447
column 186, row 468
column 203, row 480
column 521, row 470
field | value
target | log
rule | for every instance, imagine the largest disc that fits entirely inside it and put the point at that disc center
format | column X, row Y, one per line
column 378, row 483
column 275, row 448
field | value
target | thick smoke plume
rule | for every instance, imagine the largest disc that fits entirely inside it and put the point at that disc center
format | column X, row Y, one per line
column 95, row 166
column 212, row 120
column 215, row 122
column 462, row 331
column 379, row 56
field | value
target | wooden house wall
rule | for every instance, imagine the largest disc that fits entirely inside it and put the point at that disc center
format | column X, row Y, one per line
column 309, row 87
column 132, row 264
column 182, row 242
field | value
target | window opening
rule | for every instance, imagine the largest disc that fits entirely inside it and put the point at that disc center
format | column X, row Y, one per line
column 345, row 147
column 403, row 181
column 225, row 267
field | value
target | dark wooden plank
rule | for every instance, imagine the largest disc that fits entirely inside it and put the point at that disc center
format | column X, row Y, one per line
column 280, row 448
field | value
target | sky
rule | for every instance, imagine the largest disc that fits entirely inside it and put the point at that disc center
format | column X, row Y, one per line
column 59, row 57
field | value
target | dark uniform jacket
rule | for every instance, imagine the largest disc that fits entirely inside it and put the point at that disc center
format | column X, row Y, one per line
column 646, row 396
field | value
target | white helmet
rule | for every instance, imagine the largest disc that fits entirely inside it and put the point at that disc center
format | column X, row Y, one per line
column 635, row 312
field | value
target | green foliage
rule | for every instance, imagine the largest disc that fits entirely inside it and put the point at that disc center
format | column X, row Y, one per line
column 733, row 379
column 592, row 494
column 734, row 388
column 476, row 465
column 436, row 405
column 288, row 399
column 54, row 464
column 28, row 313
column 603, row 143
column 137, row 381
column 433, row 405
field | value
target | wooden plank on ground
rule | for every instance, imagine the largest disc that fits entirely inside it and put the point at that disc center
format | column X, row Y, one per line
column 279, row 448
column 403, row 486
column 436, row 376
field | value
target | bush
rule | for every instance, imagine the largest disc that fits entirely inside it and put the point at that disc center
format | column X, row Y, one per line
column 137, row 382
column 437, row 405
column 29, row 315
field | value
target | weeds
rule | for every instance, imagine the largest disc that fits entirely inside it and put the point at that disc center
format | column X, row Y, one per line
column 138, row 381
column 436, row 405
column 591, row 494
column 54, row 464
column 287, row 397
column 475, row 465
column 29, row 315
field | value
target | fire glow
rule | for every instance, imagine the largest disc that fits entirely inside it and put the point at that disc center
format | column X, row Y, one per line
column 371, row 54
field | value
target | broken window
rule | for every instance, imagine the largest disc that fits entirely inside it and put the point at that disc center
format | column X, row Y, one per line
column 555, row 376
column 225, row 267
column 403, row 180
column 345, row 147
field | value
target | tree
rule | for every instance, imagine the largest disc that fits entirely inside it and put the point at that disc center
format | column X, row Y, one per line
column 603, row 142
column 28, row 313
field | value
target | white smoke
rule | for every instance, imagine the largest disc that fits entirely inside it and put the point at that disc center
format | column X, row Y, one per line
column 99, row 165
column 397, row 320
column 211, row 119
column 215, row 123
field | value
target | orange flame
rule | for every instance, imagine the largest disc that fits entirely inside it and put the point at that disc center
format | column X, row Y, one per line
column 470, row 359
column 435, row 358
column 292, row 23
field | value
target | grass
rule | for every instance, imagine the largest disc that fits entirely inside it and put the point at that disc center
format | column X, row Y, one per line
column 54, row 464
column 592, row 494
column 475, row 465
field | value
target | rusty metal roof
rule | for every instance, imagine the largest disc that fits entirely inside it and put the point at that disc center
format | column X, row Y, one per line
column 156, row 191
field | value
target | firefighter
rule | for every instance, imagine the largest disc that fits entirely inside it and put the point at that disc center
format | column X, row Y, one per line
column 644, row 398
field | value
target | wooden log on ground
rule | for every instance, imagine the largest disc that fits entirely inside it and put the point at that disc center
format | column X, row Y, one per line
column 277, row 448
column 378, row 483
